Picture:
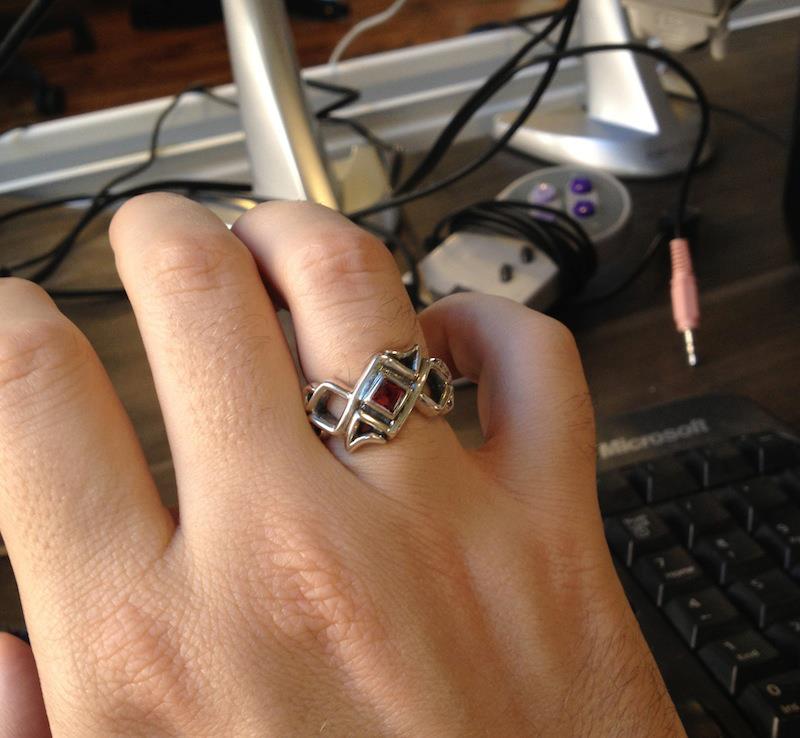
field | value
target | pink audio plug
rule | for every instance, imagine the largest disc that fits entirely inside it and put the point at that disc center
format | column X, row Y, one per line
column 685, row 303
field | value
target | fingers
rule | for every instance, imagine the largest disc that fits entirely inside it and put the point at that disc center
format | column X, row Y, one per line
column 533, row 401
column 78, row 508
column 344, row 292
column 22, row 713
column 224, row 376
column 341, row 285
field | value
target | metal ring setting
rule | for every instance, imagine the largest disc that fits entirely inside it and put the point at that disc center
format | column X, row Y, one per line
column 383, row 398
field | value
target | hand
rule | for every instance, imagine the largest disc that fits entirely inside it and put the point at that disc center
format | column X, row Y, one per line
column 411, row 589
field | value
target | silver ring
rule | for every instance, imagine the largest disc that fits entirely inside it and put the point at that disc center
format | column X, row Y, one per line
column 383, row 398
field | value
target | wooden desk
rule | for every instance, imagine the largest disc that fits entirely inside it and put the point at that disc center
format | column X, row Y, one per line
column 750, row 340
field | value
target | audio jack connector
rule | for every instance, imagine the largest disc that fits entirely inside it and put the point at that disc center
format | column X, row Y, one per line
column 685, row 303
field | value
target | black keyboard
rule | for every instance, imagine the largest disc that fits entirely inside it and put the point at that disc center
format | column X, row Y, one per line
column 701, row 506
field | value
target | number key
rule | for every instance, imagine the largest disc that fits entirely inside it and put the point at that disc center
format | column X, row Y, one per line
column 667, row 573
column 703, row 616
column 719, row 464
column 696, row 515
column 730, row 555
column 741, row 658
column 637, row 532
column 752, row 499
column 767, row 597
column 773, row 704
column 780, row 534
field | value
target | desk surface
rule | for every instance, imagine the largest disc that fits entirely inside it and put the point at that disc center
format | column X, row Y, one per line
column 129, row 65
column 750, row 339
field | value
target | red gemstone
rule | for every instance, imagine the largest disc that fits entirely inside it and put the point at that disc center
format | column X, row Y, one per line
column 387, row 395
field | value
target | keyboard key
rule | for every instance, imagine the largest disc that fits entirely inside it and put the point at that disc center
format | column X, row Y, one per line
column 780, row 534
column 750, row 500
column 696, row 721
column 786, row 636
column 667, row 573
column 719, row 464
column 767, row 597
column 636, row 533
column 773, row 705
column 695, row 515
column 703, row 616
column 615, row 493
column 770, row 452
column 730, row 555
column 662, row 479
column 790, row 480
column 741, row 658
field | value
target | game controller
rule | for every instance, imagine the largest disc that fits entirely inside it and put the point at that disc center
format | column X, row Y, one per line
column 468, row 261
column 495, row 265
column 594, row 198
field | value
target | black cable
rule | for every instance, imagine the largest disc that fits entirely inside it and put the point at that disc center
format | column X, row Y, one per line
column 751, row 123
column 485, row 92
column 391, row 155
column 739, row 117
column 188, row 186
column 39, row 206
column 99, row 294
column 684, row 73
column 348, row 95
column 104, row 198
column 178, row 185
column 24, row 27
column 552, row 231
column 652, row 249
column 203, row 90
column 56, row 255
column 520, row 21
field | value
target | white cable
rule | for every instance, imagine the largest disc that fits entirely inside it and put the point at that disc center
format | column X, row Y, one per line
column 364, row 25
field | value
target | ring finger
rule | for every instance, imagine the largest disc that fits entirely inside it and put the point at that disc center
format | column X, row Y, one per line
column 347, row 301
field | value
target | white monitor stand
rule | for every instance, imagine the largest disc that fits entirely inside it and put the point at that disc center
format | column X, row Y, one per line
column 282, row 141
column 626, row 124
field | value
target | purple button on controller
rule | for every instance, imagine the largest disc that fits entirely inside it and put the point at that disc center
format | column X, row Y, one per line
column 581, row 185
column 583, row 209
column 543, row 193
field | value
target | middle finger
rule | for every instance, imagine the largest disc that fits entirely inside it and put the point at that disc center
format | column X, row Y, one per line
column 347, row 301
column 225, row 379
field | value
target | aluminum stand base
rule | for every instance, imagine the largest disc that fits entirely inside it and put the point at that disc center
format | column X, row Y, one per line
column 567, row 135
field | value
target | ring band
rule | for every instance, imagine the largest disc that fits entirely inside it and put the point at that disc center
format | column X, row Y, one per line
column 383, row 398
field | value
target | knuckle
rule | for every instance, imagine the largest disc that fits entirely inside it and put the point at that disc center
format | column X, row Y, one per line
column 143, row 662
column 190, row 265
column 38, row 353
column 551, row 338
column 319, row 602
column 353, row 280
column 347, row 265
column 558, row 337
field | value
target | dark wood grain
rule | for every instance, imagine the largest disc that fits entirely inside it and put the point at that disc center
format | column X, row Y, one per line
column 130, row 65
column 750, row 339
